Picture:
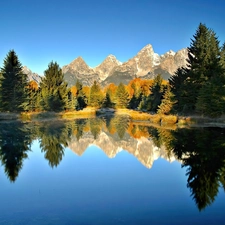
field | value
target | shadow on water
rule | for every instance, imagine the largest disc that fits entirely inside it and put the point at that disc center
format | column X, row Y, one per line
column 200, row 150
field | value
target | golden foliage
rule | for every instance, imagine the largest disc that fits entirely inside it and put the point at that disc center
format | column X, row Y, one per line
column 33, row 85
column 169, row 119
column 73, row 90
column 86, row 90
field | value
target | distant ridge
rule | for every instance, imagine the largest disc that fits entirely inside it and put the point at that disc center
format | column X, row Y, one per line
column 146, row 64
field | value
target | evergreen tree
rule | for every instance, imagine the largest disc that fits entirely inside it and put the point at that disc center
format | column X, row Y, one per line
column 81, row 97
column 136, row 98
column 211, row 99
column 33, row 103
column 167, row 103
column 13, row 84
column 96, row 96
column 72, row 102
column 204, row 68
column 108, row 102
column 203, row 62
column 122, row 97
column 53, row 88
column 223, row 55
column 110, row 96
column 157, row 90
column 178, row 87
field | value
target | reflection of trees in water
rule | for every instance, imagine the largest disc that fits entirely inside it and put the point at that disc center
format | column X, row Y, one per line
column 78, row 127
column 162, row 137
column 202, row 151
column 96, row 126
column 14, row 143
column 120, row 123
column 53, row 139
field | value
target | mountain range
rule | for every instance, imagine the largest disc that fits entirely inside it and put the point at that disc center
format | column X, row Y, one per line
column 146, row 65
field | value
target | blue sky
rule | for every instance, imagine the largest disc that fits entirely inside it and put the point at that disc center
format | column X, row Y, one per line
column 41, row 31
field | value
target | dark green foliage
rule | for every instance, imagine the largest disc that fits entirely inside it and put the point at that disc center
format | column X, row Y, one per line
column 178, row 87
column 223, row 55
column 54, row 138
column 96, row 98
column 108, row 103
column 122, row 97
column 13, row 84
column 204, row 73
column 34, row 97
column 154, row 99
column 34, row 100
column 81, row 98
column 211, row 100
column 136, row 98
column 14, row 145
column 72, row 102
column 53, row 89
column 205, row 165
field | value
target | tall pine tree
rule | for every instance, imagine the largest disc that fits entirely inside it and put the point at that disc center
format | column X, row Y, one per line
column 167, row 103
column 178, row 87
column 13, row 84
column 96, row 98
column 53, row 89
column 157, row 90
column 122, row 97
column 204, row 67
column 81, row 97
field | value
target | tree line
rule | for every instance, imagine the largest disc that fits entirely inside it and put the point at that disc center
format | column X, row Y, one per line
column 53, row 93
column 197, row 88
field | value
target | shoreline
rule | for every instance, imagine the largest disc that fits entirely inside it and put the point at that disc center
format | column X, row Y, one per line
column 135, row 116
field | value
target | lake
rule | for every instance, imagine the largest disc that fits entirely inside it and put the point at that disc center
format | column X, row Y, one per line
column 110, row 171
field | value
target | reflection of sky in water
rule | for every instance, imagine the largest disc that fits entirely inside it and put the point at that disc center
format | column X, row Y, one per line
column 94, row 189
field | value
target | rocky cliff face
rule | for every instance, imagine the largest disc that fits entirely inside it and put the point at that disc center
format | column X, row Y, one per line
column 30, row 75
column 104, row 69
column 146, row 64
column 79, row 70
column 143, row 149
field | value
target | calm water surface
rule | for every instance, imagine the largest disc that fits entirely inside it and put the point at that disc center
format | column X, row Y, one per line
column 98, row 171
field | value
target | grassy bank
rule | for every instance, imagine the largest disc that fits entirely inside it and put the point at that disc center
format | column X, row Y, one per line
column 171, row 119
column 143, row 116
column 85, row 113
column 91, row 112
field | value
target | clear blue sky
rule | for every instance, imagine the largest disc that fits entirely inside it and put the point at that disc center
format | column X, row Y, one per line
column 61, row 30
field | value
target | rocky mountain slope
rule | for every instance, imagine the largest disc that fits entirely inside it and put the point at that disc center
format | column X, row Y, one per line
column 30, row 75
column 146, row 64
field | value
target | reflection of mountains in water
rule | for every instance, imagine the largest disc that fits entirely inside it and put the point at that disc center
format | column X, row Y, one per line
column 142, row 148
column 201, row 150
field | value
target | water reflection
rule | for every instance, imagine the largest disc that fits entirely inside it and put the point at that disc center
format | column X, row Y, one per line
column 15, row 140
column 54, row 138
column 201, row 151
